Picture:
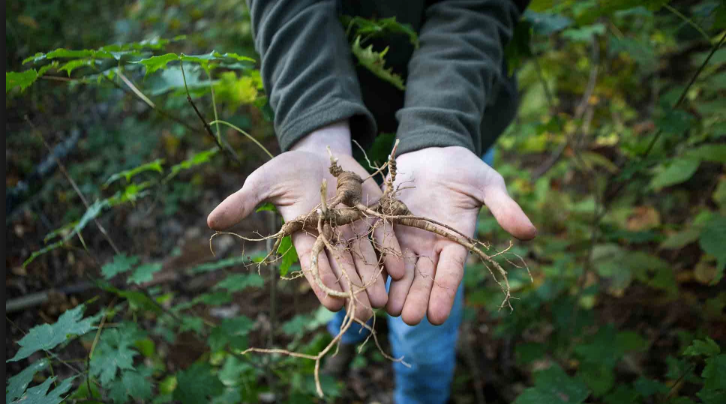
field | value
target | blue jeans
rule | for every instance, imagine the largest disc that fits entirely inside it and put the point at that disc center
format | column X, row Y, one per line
column 429, row 349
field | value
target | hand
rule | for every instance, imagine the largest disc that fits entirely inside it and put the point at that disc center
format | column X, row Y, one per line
column 291, row 181
column 449, row 185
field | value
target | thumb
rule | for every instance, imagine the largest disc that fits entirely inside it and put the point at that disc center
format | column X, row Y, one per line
column 507, row 212
column 240, row 204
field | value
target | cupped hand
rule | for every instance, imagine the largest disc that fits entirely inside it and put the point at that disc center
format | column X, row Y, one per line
column 450, row 185
column 291, row 181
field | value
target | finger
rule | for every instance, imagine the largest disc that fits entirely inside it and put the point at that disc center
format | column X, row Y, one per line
column 417, row 300
column 449, row 273
column 304, row 244
column 367, row 265
column 507, row 212
column 240, row 204
column 388, row 246
column 399, row 288
column 340, row 261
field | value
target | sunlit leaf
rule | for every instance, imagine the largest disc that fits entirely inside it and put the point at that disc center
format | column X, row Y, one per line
column 155, row 63
column 23, row 80
column 128, row 174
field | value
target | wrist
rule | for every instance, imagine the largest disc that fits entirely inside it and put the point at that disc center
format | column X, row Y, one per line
column 336, row 136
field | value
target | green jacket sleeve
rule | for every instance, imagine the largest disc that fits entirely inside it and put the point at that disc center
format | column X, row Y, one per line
column 454, row 72
column 307, row 68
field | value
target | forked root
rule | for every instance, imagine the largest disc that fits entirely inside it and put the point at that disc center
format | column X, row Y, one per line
column 345, row 208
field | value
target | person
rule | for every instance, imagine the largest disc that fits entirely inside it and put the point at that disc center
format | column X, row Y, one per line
column 457, row 100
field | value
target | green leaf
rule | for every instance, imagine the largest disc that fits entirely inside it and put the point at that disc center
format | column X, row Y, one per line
column 712, row 396
column 371, row 27
column 680, row 170
column 121, row 263
column 554, row 386
column 289, row 255
column 168, row 385
column 676, row 241
column 196, row 160
column 621, row 395
column 128, row 174
column 155, row 63
column 114, row 352
column 23, row 80
column 213, row 299
column 190, row 323
column 144, row 273
column 213, row 266
column 584, row 34
column 599, row 378
column 712, row 241
column 237, row 282
column 376, row 63
column 232, row 332
column 647, row 387
column 266, row 207
column 714, row 374
column 307, row 322
column 197, row 384
column 529, row 352
column 546, row 23
column 715, row 153
column 40, row 395
column 706, row 347
column 73, row 65
column 675, row 121
column 47, row 336
column 232, row 370
column 17, row 384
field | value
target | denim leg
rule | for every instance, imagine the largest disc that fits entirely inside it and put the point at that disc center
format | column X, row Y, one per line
column 431, row 352
column 355, row 334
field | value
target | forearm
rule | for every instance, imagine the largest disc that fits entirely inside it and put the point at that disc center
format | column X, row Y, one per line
column 455, row 73
column 307, row 69
column 336, row 136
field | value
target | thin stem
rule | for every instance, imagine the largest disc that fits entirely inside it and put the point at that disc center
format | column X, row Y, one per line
column 227, row 150
column 63, row 170
column 685, row 92
column 136, row 90
column 687, row 21
column 245, row 134
column 214, row 102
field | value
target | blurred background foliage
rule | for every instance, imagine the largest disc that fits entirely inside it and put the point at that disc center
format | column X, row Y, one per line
column 617, row 155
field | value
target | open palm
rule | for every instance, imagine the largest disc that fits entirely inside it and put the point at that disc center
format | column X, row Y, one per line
column 449, row 185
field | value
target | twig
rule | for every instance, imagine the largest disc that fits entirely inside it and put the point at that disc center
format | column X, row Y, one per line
column 579, row 111
column 687, row 21
column 217, row 122
column 63, row 170
column 228, row 151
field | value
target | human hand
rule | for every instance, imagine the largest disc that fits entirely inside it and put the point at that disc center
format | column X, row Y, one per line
column 291, row 181
column 449, row 185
